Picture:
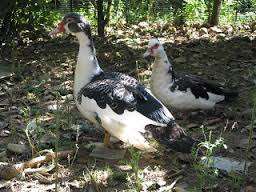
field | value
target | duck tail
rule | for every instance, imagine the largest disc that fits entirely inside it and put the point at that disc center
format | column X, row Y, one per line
column 230, row 95
column 172, row 137
column 178, row 140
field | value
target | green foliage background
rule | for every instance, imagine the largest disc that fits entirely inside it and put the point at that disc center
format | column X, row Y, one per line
column 41, row 15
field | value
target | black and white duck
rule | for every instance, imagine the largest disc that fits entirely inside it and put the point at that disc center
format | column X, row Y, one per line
column 181, row 91
column 118, row 102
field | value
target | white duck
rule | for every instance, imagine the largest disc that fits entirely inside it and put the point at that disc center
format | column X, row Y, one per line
column 118, row 102
column 181, row 91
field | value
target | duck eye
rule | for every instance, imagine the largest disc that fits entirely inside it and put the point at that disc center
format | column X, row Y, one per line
column 155, row 46
column 69, row 19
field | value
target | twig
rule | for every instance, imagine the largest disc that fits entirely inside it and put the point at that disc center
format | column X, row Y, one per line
column 169, row 188
column 74, row 158
column 33, row 148
column 8, row 171
column 176, row 174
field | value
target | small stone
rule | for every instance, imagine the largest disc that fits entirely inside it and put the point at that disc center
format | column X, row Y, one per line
column 76, row 184
column 100, row 151
column 4, row 133
column 161, row 182
column 54, row 107
column 14, row 108
column 206, row 36
column 125, row 167
column 143, row 24
column 17, row 148
column 228, row 164
column 229, row 30
column 3, row 125
column 68, row 97
column 203, row 31
column 192, row 125
column 215, row 29
column 221, row 36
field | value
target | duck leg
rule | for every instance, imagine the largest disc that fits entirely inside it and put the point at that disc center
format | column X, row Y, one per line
column 105, row 150
column 111, row 142
column 106, row 139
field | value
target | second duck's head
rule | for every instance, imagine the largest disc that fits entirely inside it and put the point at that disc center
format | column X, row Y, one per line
column 155, row 48
column 74, row 24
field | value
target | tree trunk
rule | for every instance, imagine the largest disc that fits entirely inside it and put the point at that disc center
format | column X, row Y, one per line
column 209, row 10
column 71, row 5
column 127, row 18
column 214, row 19
column 101, row 21
column 6, row 24
column 107, row 12
column 103, row 17
column 116, row 6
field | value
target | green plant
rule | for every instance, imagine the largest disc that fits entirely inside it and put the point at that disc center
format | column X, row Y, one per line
column 119, row 176
column 205, row 172
column 57, row 133
column 93, row 176
column 253, row 119
column 134, row 163
column 196, row 11
column 236, row 181
column 30, row 125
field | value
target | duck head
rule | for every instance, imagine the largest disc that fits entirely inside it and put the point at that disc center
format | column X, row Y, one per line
column 155, row 48
column 74, row 24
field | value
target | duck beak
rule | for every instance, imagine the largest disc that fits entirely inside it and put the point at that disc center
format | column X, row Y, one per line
column 146, row 54
column 59, row 29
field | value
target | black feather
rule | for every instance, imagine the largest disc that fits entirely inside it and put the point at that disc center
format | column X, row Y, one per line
column 198, row 86
column 122, row 92
column 172, row 137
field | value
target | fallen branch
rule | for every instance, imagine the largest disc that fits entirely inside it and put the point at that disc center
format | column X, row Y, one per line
column 8, row 171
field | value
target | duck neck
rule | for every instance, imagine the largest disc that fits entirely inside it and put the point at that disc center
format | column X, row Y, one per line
column 87, row 63
column 162, row 67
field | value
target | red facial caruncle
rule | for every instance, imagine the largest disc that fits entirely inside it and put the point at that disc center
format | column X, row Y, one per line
column 151, row 49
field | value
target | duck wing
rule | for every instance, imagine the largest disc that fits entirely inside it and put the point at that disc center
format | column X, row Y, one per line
column 199, row 86
column 122, row 92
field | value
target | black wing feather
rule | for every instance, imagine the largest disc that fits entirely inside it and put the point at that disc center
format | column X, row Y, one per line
column 122, row 92
column 199, row 87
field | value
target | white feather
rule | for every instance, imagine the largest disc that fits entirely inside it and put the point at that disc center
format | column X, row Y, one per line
column 182, row 100
column 129, row 126
column 160, row 84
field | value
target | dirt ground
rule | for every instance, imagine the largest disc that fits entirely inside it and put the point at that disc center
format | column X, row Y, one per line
column 44, row 80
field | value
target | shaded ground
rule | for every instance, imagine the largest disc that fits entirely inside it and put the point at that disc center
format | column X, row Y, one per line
column 44, row 78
